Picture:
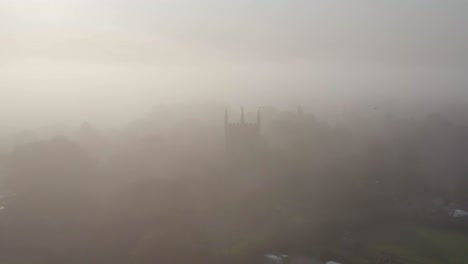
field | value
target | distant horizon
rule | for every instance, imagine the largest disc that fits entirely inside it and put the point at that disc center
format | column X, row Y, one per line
column 112, row 60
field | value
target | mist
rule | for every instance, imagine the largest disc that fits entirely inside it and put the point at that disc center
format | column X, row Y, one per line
column 276, row 132
column 70, row 61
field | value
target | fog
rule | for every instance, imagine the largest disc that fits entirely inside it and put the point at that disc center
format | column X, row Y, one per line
column 247, row 131
column 70, row 61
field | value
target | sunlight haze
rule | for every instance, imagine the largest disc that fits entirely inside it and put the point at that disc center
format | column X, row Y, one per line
column 66, row 59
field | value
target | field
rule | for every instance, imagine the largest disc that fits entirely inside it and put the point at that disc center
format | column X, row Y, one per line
column 416, row 244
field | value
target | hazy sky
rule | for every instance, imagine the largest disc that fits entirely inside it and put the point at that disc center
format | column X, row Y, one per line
column 101, row 59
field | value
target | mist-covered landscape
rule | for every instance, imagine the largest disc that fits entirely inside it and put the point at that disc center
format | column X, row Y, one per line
column 272, row 132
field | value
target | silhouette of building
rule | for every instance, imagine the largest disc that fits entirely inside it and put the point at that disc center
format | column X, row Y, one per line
column 242, row 138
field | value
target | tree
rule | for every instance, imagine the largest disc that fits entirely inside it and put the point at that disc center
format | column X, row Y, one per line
column 49, row 168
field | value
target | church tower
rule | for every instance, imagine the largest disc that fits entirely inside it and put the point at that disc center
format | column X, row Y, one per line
column 242, row 138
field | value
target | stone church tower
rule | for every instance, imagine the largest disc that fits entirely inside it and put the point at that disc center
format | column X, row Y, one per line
column 242, row 138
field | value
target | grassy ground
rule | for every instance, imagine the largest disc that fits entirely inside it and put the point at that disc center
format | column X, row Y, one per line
column 419, row 243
